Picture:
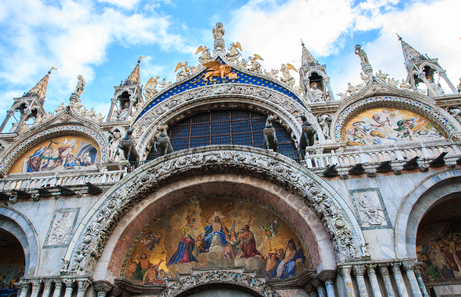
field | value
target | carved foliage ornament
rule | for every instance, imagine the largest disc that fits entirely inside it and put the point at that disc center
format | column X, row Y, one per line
column 221, row 277
column 143, row 127
column 151, row 176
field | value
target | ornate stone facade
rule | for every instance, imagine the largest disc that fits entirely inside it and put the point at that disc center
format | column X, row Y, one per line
column 348, row 205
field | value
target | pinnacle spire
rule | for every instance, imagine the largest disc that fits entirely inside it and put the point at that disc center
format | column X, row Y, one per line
column 410, row 54
column 306, row 57
column 39, row 89
column 135, row 76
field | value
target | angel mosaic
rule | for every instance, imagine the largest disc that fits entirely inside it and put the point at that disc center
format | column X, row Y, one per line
column 388, row 126
column 201, row 236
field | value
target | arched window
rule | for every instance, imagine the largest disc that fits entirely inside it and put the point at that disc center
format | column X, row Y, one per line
column 238, row 127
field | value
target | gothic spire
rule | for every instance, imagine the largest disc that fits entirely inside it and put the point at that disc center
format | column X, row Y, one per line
column 135, row 76
column 410, row 54
column 39, row 89
column 306, row 57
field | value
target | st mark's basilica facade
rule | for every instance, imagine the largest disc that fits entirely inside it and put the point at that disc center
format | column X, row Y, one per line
column 232, row 181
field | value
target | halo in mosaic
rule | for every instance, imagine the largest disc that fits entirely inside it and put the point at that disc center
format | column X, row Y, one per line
column 21, row 148
column 210, row 232
column 392, row 102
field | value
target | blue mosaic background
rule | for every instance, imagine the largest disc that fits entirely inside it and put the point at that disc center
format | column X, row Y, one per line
column 242, row 78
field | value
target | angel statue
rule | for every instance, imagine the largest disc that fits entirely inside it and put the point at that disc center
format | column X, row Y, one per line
column 287, row 78
column 164, row 84
column 151, row 86
column 255, row 66
column 206, row 56
column 233, row 53
column 184, row 71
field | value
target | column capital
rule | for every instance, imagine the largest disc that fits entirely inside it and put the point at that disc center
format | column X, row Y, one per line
column 309, row 289
column 113, row 100
column 345, row 271
column 371, row 269
column 102, row 286
column 359, row 269
column 327, row 275
column 395, row 266
column 69, row 282
column 317, row 283
column 83, row 284
column 115, row 292
column 57, row 283
column 407, row 265
column 47, row 284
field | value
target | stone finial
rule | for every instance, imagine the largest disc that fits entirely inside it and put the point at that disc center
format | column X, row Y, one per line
column 364, row 62
column 218, row 33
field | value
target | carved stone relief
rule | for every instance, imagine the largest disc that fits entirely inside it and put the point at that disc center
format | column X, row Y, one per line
column 370, row 208
column 60, row 230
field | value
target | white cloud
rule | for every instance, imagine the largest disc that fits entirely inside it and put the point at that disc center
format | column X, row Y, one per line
column 272, row 30
column 73, row 36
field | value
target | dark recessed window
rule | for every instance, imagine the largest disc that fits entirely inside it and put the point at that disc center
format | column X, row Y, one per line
column 238, row 127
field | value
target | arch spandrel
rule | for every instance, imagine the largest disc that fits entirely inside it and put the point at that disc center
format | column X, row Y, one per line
column 307, row 189
column 407, row 117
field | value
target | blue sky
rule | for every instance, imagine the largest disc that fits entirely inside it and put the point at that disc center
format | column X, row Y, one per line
column 102, row 40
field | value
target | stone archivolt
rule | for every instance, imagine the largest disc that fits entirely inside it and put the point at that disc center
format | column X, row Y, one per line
column 92, row 234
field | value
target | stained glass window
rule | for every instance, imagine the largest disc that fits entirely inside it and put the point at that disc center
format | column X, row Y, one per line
column 238, row 127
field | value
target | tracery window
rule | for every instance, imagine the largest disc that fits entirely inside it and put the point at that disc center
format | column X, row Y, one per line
column 239, row 127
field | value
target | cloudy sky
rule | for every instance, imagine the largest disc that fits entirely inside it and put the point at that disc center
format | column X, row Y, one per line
column 103, row 39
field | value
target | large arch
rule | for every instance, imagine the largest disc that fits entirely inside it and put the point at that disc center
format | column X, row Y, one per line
column 224, row 96
column 436, row 187
column 298, row 213
column 91, row 235
column 18, row 225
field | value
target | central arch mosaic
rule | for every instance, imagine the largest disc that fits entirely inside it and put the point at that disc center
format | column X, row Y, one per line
column 216, row 232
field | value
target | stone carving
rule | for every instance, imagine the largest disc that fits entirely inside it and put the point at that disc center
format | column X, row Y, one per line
column 456, row 113
column 459, row 86
column 233, row 53
column 242, row 63
column 217, row 276
column 273, row 73
column 369, row 208
column 342, row 96
column 393, row 82
column 324, row 122
column 351, row 90
column 270, row 139
column 184, row 71
column 437, row 88
column 151, row 86
column 61, row 227
column 404, row 85
column 164, row 84
column 80, row 85
column 362, row 55
column 287, row 78
column 308, row 134
column 364, row 77
column 316, row 93
column 162, row 142
column 255, row 66
column 117, row 203
column 38, row 120
column 381, row 75
column 206, row 56
column 218, row 31
column 60, row 108
column 114, row 141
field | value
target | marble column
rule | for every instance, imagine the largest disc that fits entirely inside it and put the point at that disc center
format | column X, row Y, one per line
column 330, row 91
column 35, row 288
column 57, row 288
column 399, row 279
column 408, row 268
column 311, row 291
column 373, row 280
column 359, row 270
column 47, row 288
column 320, row 287
column 345, row 272
column 69, row 287
column 130, row 110
column 9, row 113
column 387, row 280
column 111, row 110
column 82, row 286
column 328, row 276
column 422, row 287
column 102, row 287
column 24, row 288
column 443, row 74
